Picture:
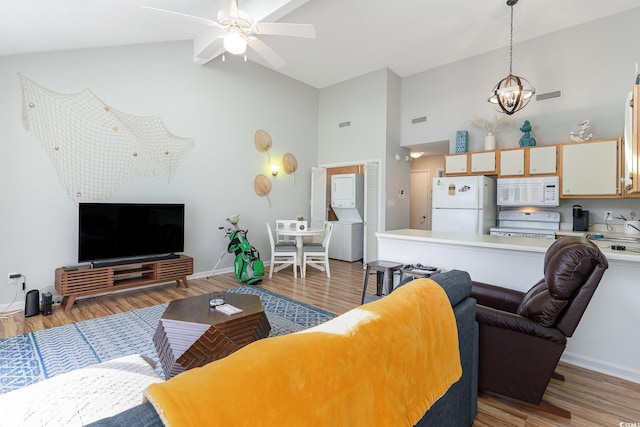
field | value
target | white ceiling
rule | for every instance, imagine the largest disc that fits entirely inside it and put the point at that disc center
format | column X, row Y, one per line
column 354, row 37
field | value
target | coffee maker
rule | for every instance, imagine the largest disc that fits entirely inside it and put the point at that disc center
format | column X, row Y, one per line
column 580, row 219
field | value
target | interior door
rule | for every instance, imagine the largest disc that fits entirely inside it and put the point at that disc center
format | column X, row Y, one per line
column 420, row 200
column 318, row 197
column 371, row 211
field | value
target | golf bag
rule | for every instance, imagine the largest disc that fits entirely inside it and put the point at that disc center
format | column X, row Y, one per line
column 248, row 266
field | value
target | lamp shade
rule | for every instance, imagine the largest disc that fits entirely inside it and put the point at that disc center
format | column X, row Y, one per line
column 235, row 42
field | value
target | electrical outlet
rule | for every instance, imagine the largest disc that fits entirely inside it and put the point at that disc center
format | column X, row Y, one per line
column 608, row 215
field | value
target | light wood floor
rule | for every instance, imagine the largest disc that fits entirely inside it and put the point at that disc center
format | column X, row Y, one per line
column 593, row 399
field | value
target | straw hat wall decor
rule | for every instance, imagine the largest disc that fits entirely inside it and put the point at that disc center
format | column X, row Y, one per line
column 290, row 165
column 263, row 142
column 262, row 186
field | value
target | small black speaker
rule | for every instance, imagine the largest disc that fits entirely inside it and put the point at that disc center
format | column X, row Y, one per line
column 47, row 303
column 31, row 303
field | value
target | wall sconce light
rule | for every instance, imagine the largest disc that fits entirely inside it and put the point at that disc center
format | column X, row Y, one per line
column 275, row 169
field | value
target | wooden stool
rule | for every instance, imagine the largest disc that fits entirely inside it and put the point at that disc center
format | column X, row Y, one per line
column 384, row 276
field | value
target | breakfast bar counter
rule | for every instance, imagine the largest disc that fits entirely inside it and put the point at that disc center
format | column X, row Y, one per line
column 605, row 340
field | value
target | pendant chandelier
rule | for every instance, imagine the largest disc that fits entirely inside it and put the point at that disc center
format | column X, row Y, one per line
column 512, row 93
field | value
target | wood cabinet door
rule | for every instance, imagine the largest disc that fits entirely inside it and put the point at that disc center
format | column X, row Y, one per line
column 512, row 162
column 455, row 164
column 484, row 162
column 590, row 168
column 543, row 160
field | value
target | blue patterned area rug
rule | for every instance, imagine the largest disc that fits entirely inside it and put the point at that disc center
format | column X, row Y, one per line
column 32, row 357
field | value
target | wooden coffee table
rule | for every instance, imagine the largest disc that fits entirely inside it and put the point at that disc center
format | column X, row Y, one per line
column 190, row 334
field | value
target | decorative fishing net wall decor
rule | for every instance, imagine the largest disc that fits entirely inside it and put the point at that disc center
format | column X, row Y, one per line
column 94, row 148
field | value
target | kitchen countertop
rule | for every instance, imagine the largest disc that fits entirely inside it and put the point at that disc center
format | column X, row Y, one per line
column 600, row 343
column 527, row 244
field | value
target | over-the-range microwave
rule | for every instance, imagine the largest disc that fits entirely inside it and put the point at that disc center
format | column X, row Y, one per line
column 539, row 191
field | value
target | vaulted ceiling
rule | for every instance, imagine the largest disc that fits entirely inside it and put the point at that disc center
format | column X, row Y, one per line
column 354, row 37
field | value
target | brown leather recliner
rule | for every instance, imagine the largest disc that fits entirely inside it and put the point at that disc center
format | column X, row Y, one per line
column 523, row 335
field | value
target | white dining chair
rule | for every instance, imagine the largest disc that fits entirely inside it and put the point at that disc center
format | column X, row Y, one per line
column 285, row 224
column 316, row 240
column 316, row 255
column 282, row 255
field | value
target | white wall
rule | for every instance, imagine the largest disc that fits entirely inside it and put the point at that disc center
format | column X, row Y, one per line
column 371, row 103
column 592, row 64
column 363, row 102
column 397, row 171
column 220, row 104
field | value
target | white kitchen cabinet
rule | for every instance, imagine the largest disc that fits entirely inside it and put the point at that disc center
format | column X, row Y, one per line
column 543, row 160
column 483, row 162
column 631, row 145
column 528, row 161
column 456, row 164
column 512, row 162
column 590, row 168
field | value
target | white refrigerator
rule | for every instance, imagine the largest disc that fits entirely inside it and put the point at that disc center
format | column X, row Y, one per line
column 465, row 204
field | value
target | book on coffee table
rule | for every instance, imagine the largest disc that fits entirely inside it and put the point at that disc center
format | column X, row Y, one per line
column 228, row 309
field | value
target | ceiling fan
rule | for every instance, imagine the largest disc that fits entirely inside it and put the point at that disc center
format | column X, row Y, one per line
column 235, row 30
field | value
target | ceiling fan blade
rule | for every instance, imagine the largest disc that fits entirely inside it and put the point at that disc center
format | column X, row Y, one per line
column 214, row 50
column 184, row 15
column 230, row 8
column 208, row 44
column 266, row 52
column 282, row 29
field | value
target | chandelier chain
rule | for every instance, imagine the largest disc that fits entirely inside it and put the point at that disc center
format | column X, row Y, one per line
column 511, row 45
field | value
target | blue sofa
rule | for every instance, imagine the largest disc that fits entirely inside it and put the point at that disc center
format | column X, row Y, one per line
column 459, row 406
column 456, row 408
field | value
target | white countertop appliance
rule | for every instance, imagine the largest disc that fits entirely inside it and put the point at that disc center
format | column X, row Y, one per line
column 347, row 201
column 531, row 191
column 521, row 223
column 464, row 204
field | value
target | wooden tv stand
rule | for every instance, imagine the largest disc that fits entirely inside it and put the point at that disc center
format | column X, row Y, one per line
column 85, row 280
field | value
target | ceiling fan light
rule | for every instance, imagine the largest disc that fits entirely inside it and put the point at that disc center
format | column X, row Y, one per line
column 235, row 42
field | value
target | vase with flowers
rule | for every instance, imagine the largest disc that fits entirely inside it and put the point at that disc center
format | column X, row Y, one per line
column 490, row 128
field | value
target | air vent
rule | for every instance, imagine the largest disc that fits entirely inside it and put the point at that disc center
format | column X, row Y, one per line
column 549, row 95
column 344, row 124
column 418, row 120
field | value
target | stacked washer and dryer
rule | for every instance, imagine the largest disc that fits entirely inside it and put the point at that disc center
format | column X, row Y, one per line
column 347, row 201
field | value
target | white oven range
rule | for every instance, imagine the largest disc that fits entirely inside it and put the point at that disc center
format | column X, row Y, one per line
column 523, row 223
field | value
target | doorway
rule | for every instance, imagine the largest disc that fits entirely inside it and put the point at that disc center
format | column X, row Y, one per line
column 420, row 200
column 320, row 201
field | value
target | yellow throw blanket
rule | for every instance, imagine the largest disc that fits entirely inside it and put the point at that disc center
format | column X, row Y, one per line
column 382, row 364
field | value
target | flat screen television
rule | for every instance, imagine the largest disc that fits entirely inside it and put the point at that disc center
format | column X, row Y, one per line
column 109, row 231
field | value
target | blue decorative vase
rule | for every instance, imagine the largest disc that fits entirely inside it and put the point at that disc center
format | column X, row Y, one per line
column 462, row 141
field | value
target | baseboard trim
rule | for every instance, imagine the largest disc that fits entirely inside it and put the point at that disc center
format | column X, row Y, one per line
column 602, row 367
column 15, row 306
